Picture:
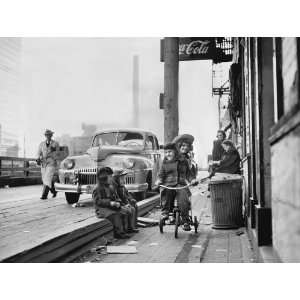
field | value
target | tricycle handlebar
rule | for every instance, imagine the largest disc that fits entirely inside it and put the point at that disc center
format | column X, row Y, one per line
column 174, row 188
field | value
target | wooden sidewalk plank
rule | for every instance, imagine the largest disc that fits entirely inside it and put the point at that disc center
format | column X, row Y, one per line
column 41, row 231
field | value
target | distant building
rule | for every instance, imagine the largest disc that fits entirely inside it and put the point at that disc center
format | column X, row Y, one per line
column 77, row 145
column 10, row 53
column 80, row 144
column 88, row 129
column 8, row 143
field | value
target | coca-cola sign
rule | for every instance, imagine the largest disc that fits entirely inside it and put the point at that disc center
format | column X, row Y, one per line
column 195, row 48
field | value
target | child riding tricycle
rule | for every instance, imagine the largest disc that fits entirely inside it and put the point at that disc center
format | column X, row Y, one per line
column 174, row 178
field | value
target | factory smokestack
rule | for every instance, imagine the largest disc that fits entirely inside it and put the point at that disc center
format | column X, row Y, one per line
column 135, row 90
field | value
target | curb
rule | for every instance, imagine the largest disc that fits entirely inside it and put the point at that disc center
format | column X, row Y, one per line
column 146, row 205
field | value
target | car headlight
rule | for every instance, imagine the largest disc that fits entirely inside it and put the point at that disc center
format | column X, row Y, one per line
column 128, row 163
column 69, row 164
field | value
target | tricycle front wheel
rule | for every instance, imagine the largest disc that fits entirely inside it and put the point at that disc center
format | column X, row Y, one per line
column 196, row 224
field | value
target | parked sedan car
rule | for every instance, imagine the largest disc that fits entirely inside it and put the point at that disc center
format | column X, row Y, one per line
column 135, row 150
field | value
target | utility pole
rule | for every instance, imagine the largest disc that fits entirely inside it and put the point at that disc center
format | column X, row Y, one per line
column 171, row 64
column 135, row 90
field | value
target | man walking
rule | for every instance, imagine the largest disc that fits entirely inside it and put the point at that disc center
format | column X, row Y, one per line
column 47, row 158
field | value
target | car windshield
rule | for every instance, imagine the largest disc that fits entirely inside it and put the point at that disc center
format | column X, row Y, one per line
column 133, row 140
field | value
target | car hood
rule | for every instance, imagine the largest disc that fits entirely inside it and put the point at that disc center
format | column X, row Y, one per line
column 100, row 153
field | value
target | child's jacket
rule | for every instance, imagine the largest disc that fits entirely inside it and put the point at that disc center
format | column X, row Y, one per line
column 103, row 195
column 168, row 173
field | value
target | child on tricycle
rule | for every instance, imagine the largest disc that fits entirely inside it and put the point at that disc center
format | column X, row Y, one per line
column 174, row 175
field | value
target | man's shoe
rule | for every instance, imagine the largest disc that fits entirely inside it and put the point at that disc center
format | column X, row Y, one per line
column 45, row 192
column 54, row 194
column 133, row 230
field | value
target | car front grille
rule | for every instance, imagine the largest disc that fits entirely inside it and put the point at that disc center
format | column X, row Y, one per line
column 129, row 179
column 88, row 176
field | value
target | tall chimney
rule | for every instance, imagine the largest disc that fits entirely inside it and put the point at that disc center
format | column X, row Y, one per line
column 135, row 91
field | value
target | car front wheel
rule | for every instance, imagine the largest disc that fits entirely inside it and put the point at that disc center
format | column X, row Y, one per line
column 72, row 197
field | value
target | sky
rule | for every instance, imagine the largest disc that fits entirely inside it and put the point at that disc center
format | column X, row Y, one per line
column 68, row 81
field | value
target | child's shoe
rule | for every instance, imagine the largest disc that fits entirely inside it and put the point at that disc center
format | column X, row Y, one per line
column 186, row 227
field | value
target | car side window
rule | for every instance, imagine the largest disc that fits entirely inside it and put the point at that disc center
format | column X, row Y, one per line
column 96, row 141
column 156, row 145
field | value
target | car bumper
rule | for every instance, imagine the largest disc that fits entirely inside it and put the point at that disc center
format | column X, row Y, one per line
column 88, row 189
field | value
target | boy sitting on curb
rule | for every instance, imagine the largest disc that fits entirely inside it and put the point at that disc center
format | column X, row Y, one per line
column 107, row 202
column 128, row 202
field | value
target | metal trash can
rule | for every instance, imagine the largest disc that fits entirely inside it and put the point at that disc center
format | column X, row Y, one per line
column 226, row 202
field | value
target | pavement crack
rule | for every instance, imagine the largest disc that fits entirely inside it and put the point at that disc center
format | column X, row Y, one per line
column 205, row 246
column 183, row 256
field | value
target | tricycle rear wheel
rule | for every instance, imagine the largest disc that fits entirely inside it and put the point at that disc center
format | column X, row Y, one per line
column 177, row 224
column 161, row 225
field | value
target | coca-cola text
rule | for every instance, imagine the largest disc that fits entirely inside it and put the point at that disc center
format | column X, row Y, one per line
column 194, row 48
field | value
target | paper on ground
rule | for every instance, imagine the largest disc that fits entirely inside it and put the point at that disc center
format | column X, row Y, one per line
column 121, row 249
column 147, row 220
column 132, row 243
column 153, row 244
column 196, row 246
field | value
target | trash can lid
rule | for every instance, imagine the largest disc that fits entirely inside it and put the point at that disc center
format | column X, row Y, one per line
column 225, row 178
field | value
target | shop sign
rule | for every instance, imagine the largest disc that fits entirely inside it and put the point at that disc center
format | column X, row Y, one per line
column 194, row 48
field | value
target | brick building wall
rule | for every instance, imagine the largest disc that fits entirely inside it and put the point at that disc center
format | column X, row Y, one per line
column 285, row 160
column 271, row 122
column 285, row 196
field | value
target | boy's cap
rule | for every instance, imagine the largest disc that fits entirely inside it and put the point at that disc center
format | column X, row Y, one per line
column 104, row 171
column 48, row 132
column 183, row 138
column 170, row 146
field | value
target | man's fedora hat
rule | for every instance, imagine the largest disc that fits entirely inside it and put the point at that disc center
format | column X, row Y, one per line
column 48, row 132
